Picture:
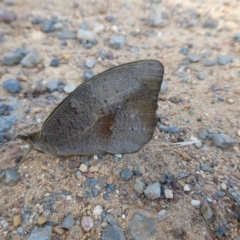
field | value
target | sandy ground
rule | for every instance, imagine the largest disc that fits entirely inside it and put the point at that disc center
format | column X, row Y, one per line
column 43, row 176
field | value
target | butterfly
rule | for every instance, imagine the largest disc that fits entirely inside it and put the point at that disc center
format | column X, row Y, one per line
column 113, row 112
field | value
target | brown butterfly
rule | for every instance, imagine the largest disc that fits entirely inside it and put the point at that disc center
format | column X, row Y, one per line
column 113, row 112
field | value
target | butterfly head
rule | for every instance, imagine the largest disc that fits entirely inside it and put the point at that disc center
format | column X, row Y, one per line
column 35, row 141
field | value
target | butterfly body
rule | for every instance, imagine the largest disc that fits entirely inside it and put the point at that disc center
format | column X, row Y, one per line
column 113, row 112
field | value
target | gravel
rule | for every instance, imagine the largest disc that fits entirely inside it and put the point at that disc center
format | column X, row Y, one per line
column 117, row 42
column 12, row 85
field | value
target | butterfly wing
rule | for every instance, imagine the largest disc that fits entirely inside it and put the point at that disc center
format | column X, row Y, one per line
column 114, row 112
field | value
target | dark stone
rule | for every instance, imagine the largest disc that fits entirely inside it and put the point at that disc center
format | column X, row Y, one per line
column 54, row 62
column 126, row 175
column 68, row 222
column 12, row 85
column 110, row 188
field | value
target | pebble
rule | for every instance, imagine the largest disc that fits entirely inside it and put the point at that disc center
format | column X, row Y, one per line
column 58, row 230
column 237, row 37
column 31, row 59
column 90, row 63
column 66, row 34
column 11, row 177
column 153, row 191
column 112, row 232
column 205, row 167
column 36, row 20
column 52, row 85
column 110, row 188
column 201, row 76
column 106, row 197
column 139, row 186
column 206, row 211
column 164, row 87
column 211, row 24
column 223, row 186
column 155, row 17
column 88, row 74
column 83, row 168
column 87, row 223
column 162, row 214
column 111, row 220
column 220, row 231
column 195, row 203
column 126, row 175
column 168, row 194
column 73, row 164
column 54, row 62
column 186, row 188
column 12, row 85
column 117, row 42
column 194, row 57
column 222, row 140
column 209, row 62
column 14, row 57
column 41, row 220
column 41, row 233
column 7, row 16
column 203, row 134
column 20, row 230
column 97, row 211
column 68, row 222
column 94, row 169
column 69, row 88
column 141, row 227
column 86, row 35
column 48, row 25
column 224, row 60
column 17, row 220
column 185, row 51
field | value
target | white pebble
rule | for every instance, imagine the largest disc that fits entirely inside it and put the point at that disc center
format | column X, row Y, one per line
column 69, row 88
column 161, row 214
column 223, row 186
column 186, row 188
column 196, row 203
column 168, row 194
column 97, row 210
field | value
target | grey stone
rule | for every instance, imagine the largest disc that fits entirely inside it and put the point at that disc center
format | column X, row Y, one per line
column 37, row 20
column 205, row 167
column 48, row 26
column 224, row 59
column 20, row 231
column 90, row 63
column 155, row 17
column 126, row 175
column 11, row 177
column 110, row 188
column 141, row 227
column 139, row 186
column 185, row 51
column 87, row 74
column 41, row 233
column 163, row 128
column 153, row 191
column 68, row 222
column 52, row 85
column 194, row 57
column 164, row 87
column 222, row 140
column 220, row 231
column 106, row 197
column 210, row 24
column 117, row 42
column 14, row 57
column 203, row 134
column 112, row 232
column 201, row 76
column 6, row 122
column 209, row 62
column 54, row 62
column 66, row 34
column 111, row 220
column 31, row 59
column 206, row 211
column 12, row 85
column 7, row 16
column 174, row 129
column 237, row 37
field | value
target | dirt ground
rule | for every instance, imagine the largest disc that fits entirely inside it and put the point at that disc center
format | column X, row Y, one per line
column 198, row 108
